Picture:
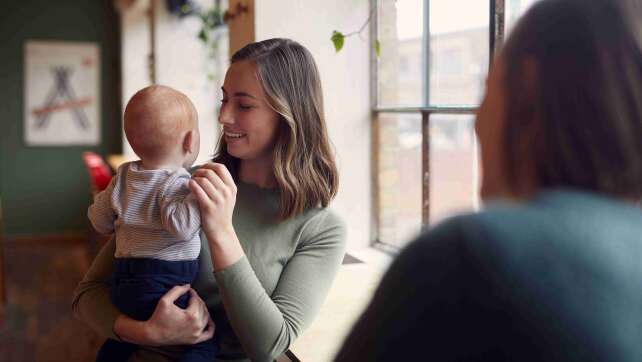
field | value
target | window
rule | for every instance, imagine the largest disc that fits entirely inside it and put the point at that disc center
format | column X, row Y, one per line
column 429, row 80
column 448, row 63
column 514, row 9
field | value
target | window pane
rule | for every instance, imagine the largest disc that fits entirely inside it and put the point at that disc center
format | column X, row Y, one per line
column 399, row 177
column 400, row 65
column 515, row 9
column 453, row 165
column 453, row 172
column 458, row 51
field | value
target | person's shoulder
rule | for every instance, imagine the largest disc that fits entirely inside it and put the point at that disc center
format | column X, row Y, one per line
column 324, row 217
column 125, row 167
column 453, row 231
column 173, row 182
column 178, row 175
column 486, row 229
column 501, row 218
column 561, row 218
column 323, row 224
column 120, row 177
column 460, row 250
column 468, row 224
column 565, row 225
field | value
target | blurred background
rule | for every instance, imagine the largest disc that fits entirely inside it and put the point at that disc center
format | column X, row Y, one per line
column 400, row 96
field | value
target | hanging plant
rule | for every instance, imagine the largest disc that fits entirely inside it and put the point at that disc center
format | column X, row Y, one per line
column 212, row 21
column 180, row 8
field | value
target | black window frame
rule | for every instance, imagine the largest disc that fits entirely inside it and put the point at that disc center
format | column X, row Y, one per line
column 495, row 41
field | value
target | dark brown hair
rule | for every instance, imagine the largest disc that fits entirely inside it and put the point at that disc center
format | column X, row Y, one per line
column 304, row 164
column 582, row 122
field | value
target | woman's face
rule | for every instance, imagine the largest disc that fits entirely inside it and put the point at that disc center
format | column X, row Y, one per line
column 489, row 126
column 249, row 124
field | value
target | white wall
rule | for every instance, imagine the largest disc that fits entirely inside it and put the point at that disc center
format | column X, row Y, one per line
column 181, row 63
column 135, row 47
column 346, row 89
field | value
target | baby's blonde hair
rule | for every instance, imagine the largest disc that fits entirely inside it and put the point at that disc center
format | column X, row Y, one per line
column 156, row 120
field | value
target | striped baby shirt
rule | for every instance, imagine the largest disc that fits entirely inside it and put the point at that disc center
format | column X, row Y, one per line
column 151, row 212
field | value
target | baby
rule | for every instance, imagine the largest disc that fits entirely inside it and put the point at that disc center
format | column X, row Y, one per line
column 155, row 218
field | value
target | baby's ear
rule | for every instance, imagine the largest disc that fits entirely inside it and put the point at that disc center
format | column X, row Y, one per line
column 188, row 145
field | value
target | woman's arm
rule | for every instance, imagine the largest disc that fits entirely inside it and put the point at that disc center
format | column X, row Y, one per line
column 168, row 325
column 268, row 324
column 265, row 324
column 91, row 302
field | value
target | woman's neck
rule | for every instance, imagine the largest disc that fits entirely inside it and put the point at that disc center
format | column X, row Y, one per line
column 258, row 172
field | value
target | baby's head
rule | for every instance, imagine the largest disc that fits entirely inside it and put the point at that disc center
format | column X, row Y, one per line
column 161, row 125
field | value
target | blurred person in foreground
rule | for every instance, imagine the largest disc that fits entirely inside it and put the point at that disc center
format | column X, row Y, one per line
column 551, row 270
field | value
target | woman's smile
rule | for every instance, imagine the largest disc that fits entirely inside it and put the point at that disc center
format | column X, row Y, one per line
column 233, row 135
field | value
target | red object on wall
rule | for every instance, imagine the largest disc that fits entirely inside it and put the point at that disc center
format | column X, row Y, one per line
column 99, row 172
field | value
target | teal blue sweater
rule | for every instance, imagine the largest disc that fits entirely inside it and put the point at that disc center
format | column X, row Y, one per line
column 556, row 279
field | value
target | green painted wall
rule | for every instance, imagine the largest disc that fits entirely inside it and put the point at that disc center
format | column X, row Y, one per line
column 45, row 190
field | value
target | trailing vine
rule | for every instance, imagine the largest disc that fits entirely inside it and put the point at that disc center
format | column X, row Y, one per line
column 338, row 38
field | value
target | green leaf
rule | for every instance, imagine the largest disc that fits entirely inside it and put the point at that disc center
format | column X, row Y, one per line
column 215, row 17
column 203, row 35
column 377, row 46
column 337, row 40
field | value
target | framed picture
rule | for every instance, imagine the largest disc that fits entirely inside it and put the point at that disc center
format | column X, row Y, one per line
column 61, row 93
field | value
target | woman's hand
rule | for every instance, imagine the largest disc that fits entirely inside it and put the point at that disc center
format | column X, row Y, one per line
column 169, row 324
column 214, row 189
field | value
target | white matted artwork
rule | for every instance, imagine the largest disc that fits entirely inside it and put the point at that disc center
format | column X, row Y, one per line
column 61, row 93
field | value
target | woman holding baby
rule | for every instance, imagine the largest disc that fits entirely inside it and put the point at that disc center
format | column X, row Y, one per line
column 270, row 247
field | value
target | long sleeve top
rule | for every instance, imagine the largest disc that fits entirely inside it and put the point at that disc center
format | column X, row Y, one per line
column 261, row 303
column 556, row 279
column 151, row 212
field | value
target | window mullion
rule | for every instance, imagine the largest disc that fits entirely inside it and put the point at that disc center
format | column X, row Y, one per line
column 425, row 168
column 374, row 59
column 496, row 28
column 426, row 54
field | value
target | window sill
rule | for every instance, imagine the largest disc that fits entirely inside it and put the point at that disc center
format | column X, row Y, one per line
column 349, row 295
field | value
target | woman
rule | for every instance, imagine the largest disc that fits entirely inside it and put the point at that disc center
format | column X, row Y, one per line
column 271, row 248
column 553, row 271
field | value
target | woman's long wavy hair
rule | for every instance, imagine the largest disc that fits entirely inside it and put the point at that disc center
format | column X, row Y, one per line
column 304, row 164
